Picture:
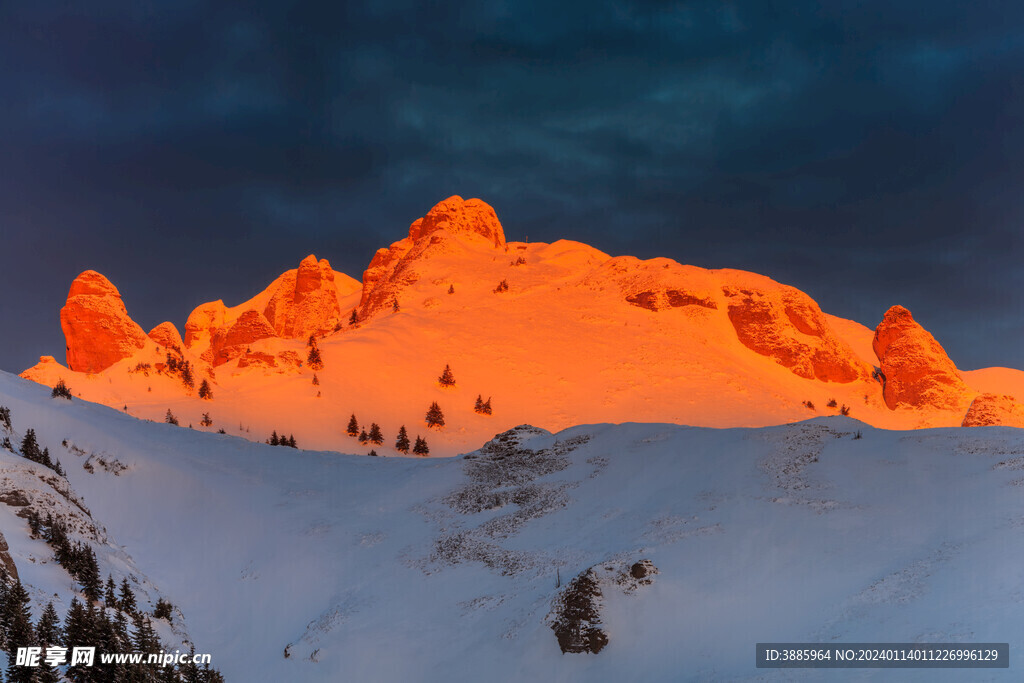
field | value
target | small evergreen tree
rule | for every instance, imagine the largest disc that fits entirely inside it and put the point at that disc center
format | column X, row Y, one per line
column 478, row 407
column 127, row 597
column 89, row 575
column 395, row 307
column 376, row 437
column 354, row 318
column 316, row 380
column 170, row 419
column 447, row 379
column 313, row 360
column 110, row 593
column 487, row 406
column 435, row 418
column 312, row 339
column 206, row 421
column 59, row 469
column 402, row 442
column 186, row 376
column 205, row 392
column 421, row 447
column 451, row 289
column 363, row 436
column 49, row 634
column 162, row 610
column 5, row 418
column 373, row 453
column 274, row 440
column 291, row 441
column 30, row 447
column 60, row 390
column 17, row 622
column 353, row 426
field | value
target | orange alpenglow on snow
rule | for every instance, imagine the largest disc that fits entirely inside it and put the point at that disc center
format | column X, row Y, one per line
column 97, row 329
column 916, row 368
column 558, row 334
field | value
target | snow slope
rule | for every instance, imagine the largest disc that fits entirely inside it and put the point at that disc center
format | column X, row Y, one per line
column 445, row 569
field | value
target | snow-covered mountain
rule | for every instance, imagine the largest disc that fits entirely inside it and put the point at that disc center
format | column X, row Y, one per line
column 553, row 334
column 692, row 544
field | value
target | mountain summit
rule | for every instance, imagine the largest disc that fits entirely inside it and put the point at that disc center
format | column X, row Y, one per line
column 550, row 334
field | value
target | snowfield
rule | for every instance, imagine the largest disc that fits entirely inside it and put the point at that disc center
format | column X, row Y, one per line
column 292, row 565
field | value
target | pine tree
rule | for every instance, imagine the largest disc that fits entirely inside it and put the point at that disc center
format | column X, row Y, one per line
column 353, row 426
column 127, row 597
column 186, row 375
column 312, row 339
column 375, row 435
column 435, row 418
column 17, row 621
column 44, row 458
column 170, row 419
column 421, row 447
column 144, row 639
column 451, row 289
column 447, row 379
column 354, row 318
column 59, row 469
column 487, row 406
column 291, row 441
column 60, row 390
column 402, row 443
column 373, row 453
column 313, row 360
column 89, row 576
column 162, row 610
column 395, row 307
column 29, row 446
column 49, row 634
column 205, row 392
column 274, row 440
column 363, row 436
column 316, row 380
column 206, row 421
column 110, row 593
column 478, row 407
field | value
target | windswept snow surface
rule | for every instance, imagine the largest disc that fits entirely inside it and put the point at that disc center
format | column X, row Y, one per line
column 393, row 569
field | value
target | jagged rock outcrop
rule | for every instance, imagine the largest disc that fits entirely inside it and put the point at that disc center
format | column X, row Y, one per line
column 233, row 341
column 166, row 335
column 203, row 322
column 989, row 410
column 392, row 269
column 917, row 371
column 789, row 327
column 97, row 329
column 305, row 301
column 458, row 216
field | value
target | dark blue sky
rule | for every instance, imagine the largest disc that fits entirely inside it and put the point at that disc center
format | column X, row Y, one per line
column 866, row 152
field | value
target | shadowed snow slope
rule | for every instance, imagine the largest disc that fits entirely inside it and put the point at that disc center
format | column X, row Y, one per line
column 419, row 569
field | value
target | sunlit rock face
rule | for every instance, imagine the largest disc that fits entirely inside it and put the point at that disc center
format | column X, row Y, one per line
column 97, row 329
column 166, row 334
column 458, row 216
column 917, row 371
column 789, row 327
column 392, row 269
column 304, row 301
column 989, row 410
column 232, row 342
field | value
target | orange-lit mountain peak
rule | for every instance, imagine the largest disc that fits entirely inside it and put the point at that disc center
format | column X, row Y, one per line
column 96, row 325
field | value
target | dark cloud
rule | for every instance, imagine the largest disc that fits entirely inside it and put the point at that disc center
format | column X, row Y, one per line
column 863, row 151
